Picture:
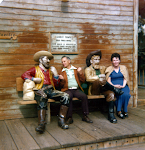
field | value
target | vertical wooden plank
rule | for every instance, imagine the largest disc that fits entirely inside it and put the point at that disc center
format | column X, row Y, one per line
column 45, row 140
column 143, row 76
column 61, row 135
column 6, row 142
column 135, row 53
column 20, row 135
column 139, row 76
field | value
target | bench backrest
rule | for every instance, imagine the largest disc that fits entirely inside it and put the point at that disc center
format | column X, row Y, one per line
column 19, row 84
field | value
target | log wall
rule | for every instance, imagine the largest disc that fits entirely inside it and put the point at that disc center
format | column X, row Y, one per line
column 26, row 24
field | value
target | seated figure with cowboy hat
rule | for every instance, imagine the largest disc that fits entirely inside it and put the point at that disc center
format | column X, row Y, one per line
column 46, row 79
column 95, row 76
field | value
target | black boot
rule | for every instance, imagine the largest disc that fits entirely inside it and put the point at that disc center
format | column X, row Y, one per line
column 111, row 116
column 62, row 116
column 112, row 88
column 41, row 121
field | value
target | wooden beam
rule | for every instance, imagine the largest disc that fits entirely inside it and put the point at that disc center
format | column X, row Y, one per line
column 135, row 53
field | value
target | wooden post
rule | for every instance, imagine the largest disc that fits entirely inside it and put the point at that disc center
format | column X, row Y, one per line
column 139, row 76
column 143, row 76
column 135, row 53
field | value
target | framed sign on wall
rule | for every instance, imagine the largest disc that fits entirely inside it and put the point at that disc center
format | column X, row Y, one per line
column 63, row 43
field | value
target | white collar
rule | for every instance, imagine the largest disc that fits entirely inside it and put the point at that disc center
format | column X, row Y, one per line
column 71, row 68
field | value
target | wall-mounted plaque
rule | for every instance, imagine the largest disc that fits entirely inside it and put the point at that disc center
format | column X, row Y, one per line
column 63, row 43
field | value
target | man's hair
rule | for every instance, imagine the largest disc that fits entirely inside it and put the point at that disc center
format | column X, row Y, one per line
column 66, row 57
column 41, row 57
column 115, row 55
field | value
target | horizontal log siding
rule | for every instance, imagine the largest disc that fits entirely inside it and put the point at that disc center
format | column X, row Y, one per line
column 99, row 24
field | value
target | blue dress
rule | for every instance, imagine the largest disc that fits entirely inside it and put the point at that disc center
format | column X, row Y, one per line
column 122, row 100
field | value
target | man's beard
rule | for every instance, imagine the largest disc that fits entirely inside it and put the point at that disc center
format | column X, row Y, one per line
column 46, row 65
column 96, row 66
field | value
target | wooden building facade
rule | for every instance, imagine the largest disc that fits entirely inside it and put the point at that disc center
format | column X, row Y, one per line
column 26, row 26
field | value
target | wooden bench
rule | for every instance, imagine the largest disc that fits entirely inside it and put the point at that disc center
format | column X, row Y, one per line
column 19, row 88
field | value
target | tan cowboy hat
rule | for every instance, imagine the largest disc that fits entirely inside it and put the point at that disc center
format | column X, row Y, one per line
column 97, row 52
column 37, row 55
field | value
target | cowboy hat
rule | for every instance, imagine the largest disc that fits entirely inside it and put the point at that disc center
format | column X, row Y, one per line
column 97, row 52
column 37, row 55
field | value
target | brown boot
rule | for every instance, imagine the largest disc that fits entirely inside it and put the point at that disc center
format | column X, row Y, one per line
column 62, row 116
column 41, row 121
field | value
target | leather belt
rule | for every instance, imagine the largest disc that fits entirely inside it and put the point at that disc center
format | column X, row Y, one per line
column 73, row 88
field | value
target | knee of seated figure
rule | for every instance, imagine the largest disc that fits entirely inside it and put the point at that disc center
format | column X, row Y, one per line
column 83, row 96
column 110, row 97
column 126, row 95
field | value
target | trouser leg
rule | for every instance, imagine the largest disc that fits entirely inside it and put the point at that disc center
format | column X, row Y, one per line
column 81, row 96
column 64, row 100
column 70, row 109
column 85, row 109
column 43, row 95
column 84, row 100
column 118, row 104
column 61, row 96
column 41, row 121
column 125, row 106
column 41, row 107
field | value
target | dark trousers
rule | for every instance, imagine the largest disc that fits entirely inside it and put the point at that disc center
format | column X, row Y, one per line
column 81, row 96
column 42, row 95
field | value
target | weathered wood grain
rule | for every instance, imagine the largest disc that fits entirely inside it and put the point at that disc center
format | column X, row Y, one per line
column 84, row 3
column 6, row 141
column 135, row 53
column 116, row 130
column 102, row 24
column 106, row 37
column 22, row 24
column 80, row 135
column 90, row 129
column 58, row 133
column 44, row 140
column 64, row 29
column 64, row 8
column 20, row 135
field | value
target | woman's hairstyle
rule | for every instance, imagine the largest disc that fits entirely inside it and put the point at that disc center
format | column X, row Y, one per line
column 115, row 55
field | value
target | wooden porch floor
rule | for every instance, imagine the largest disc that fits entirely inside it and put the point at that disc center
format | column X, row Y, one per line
column 20, row 133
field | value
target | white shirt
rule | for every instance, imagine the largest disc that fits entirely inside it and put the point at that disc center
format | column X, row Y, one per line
column 72, row 83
